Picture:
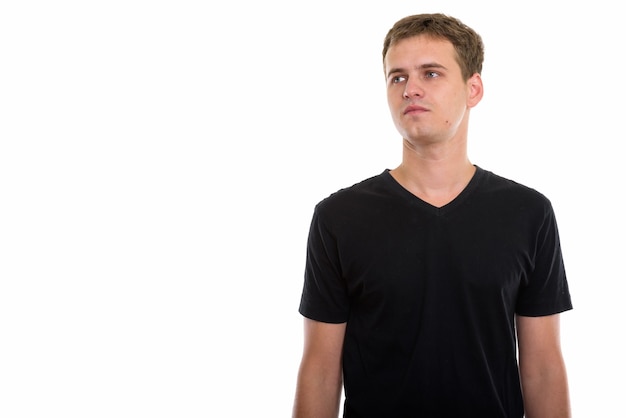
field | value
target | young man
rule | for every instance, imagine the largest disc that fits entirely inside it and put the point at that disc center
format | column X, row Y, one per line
column 422, row 282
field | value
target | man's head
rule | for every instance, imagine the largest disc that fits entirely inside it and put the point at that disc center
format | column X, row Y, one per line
column 467, row 43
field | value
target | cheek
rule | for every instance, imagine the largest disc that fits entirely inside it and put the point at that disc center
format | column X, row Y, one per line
column 394, row 104
column 454, row 120
column 394, row 92
column 456, row 111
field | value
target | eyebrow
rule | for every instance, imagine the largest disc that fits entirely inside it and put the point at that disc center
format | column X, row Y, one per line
column 424, row 66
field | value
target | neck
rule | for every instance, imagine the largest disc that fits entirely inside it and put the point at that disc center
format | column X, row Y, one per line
column 436, row 173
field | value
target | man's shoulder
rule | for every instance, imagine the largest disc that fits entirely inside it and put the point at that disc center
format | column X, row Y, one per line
column 503, row 187
column 362, row 187
column 358, row 195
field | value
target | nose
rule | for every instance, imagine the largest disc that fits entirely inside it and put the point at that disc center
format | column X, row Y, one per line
column 412, row 89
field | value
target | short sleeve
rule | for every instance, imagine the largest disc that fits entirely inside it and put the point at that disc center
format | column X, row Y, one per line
column 546, row 291
column 324, row 295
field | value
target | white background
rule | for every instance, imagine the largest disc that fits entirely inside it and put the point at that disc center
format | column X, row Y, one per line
column 159, row 164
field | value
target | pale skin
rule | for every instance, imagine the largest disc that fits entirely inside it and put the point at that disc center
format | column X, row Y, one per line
column 430, row 104
column 320, row 380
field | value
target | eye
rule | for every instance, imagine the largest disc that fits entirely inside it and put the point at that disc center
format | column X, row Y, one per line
column 397, row 79
column 432, row 74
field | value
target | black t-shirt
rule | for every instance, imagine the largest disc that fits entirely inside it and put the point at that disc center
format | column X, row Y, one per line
column 430, row 294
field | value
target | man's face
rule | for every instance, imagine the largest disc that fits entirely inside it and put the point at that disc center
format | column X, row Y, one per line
column 426, row 93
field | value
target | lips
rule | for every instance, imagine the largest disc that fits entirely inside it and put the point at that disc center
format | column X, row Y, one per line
column 414, row 109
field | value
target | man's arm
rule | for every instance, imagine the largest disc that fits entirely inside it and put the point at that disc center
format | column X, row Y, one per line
column 542, row 368
column 318, row 389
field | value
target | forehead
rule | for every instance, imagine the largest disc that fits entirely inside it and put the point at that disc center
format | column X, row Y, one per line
column 419, row 50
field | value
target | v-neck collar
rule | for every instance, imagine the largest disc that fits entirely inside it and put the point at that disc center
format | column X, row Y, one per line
column 435, row 210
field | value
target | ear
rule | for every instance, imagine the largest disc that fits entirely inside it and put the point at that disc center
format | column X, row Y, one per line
column 475, row 90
